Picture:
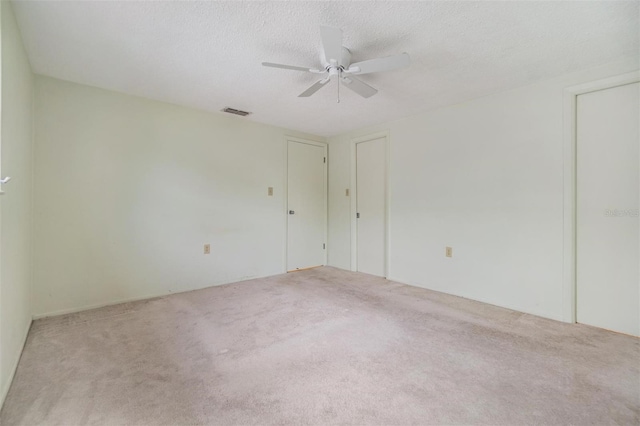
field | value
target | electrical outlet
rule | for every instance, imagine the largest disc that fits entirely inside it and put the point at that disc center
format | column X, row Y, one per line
column 270, row 191
column 207, row 248
column 448, row 252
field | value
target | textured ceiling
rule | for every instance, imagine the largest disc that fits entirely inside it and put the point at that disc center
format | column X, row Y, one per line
column 207, row 55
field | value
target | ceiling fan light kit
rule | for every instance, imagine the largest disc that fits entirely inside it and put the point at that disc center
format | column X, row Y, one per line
column 337, row 62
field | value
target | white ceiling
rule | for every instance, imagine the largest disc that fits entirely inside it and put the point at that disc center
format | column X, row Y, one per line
column 207, row 55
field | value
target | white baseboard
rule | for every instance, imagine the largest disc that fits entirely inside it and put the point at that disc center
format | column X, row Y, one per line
column 482, row 300
column 138, row 298
column 7, row 385
column 344, row 268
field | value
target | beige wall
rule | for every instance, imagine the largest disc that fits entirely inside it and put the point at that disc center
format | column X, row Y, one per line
column 128, row 190
column 484, row 177
column 15, row 205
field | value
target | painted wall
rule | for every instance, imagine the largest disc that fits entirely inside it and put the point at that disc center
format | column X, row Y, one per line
column 129, row 190
column 16, row 158
column 484, row 177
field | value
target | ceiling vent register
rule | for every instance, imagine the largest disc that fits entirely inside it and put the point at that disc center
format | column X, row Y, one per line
column 236, row 111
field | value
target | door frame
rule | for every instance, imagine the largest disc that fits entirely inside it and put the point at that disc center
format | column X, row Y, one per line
column 354, row 198
column 569, row 262
column 285, row 198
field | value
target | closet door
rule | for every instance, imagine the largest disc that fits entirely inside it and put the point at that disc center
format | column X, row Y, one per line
column 607, row 226
column 371, row 206
column 306, row 203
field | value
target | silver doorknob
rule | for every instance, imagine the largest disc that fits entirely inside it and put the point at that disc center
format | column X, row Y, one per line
column 3, row 181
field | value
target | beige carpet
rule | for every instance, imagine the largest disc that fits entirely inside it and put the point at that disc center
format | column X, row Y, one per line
column 322, row 346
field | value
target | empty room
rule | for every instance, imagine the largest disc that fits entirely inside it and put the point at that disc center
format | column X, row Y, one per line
column 326, row 212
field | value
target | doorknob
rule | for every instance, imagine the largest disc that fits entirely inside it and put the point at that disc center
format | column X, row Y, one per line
column 292, row 212
column 3, row 181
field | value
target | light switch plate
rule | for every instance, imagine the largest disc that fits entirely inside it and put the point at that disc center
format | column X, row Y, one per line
column 270, row 191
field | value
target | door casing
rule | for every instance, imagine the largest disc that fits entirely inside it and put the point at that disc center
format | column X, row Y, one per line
column 569, row 282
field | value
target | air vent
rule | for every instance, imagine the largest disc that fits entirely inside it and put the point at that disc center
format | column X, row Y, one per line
column 235, row 111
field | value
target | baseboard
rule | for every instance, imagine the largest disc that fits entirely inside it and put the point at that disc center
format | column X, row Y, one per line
column 482, row 300
column 138, row 298
column 348, row 268
column 102, row 305
column 5, row 390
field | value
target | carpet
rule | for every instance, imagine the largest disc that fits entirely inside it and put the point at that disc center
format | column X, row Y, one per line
column 321, row 346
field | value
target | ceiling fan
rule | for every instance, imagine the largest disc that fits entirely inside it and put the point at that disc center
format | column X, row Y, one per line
column 337, row 62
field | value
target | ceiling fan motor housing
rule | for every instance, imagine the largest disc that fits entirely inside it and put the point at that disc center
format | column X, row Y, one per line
column 343, row 62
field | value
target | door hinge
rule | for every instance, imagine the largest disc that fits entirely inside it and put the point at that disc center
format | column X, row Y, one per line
column 325, row 160
column 323, row 246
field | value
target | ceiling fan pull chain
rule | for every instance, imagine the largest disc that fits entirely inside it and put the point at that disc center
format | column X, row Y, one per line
column 338, row 83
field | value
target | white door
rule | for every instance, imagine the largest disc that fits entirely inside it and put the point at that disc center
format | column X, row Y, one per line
column 608, row 189
column 306, row 205
column 371, row 206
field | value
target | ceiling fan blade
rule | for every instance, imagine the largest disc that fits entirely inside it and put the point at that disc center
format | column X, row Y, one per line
column 359, row 86
column 380, row 64
column 286, row 67
column 332, row 43
column 313, row 89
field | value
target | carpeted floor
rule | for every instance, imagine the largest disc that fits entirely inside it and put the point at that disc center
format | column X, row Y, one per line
column 322, row 346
